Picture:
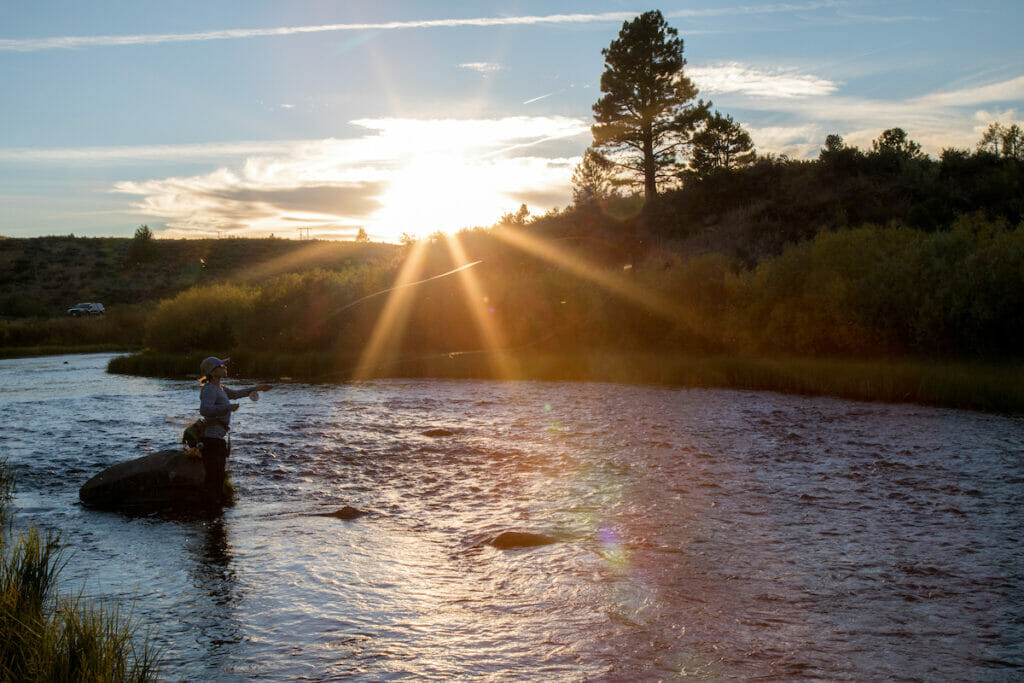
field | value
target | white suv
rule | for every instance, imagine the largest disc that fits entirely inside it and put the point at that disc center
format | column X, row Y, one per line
column 86, row 309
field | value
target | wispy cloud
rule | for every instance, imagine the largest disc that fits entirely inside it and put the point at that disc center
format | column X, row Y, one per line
column 1011, row 90
column 734, row 77
column 481, row 67
column 76, row 42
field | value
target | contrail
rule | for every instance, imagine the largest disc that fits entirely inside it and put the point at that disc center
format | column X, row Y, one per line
column 71, row 42
column 74, row 42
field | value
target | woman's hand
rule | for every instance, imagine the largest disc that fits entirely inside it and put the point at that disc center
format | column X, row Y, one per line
column 234, row 407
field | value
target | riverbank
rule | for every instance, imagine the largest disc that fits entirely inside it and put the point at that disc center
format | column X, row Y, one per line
column 976, row 385
column 61, row 350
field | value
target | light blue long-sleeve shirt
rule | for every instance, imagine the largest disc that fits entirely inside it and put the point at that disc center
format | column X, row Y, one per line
column 215, row 406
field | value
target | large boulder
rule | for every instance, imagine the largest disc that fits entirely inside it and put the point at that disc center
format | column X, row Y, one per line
column 165, row 479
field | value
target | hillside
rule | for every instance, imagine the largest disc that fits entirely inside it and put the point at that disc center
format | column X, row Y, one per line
column 43, row 277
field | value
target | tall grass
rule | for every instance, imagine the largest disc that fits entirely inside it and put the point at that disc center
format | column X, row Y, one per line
column 120, row 328
column 45, row 636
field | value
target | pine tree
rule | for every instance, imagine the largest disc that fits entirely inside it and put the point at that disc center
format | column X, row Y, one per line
column 721, row 144
column 646, row 118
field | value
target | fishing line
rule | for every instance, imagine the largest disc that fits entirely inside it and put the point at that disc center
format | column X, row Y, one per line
column 407, row 284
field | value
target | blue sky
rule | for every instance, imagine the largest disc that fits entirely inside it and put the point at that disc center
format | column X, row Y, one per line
column 258, row 117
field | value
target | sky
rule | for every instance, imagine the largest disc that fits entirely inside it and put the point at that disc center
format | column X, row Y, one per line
column 316, row 118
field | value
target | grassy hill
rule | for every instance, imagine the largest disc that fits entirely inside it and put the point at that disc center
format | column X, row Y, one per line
column 43, row 277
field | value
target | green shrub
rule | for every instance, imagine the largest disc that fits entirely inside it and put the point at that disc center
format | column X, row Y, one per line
column 210, row 317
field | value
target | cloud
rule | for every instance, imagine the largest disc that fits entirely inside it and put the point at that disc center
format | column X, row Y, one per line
column 797, row 142
column 734, row 77
column 1011, row 90
column 482, row 67
column 402, row 175
column 936, row 120
column 76, row 42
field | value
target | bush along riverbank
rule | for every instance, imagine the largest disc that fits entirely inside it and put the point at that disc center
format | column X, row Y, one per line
column 45, row 636
column 975, row 385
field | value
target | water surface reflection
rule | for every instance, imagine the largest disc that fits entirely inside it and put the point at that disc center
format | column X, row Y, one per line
column 714, row 533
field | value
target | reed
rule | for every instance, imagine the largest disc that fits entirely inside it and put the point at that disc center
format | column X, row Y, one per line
column 48, row 637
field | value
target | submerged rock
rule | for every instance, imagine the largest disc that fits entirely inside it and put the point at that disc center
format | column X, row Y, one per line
column 346, row 512
column 168, row 478
column 520, row 539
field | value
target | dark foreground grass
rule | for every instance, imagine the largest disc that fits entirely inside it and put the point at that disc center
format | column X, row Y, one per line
column 45, row 636
column 988, row 386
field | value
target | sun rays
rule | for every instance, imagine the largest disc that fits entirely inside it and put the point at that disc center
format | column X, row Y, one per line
column 390, row 327
column 384, row 345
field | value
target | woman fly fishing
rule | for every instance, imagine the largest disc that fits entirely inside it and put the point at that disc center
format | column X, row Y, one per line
column 216, row 407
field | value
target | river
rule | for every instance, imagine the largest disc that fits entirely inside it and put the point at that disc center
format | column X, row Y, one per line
column 717, row 534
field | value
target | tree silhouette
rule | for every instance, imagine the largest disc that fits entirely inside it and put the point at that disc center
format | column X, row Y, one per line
column 141, row 248
column 721, row 144
column 895, row 142
column 1005, row 141
column 592, row 178
column 833, row 144
column 517, row 219
column 646, row 118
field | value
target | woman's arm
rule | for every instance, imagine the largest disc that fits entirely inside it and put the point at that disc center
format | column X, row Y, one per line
column 242, row 393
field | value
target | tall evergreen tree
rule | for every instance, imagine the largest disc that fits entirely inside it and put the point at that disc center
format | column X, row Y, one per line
column 646, row 118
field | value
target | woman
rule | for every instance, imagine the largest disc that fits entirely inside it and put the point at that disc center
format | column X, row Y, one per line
column 215, row 405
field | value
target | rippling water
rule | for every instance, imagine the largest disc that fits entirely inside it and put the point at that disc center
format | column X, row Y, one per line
column 720, row 534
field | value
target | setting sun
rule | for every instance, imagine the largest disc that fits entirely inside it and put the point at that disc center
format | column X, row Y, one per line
column 442, row 192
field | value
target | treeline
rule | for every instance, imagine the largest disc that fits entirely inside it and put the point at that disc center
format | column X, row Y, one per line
column 869, row 291
column 752, row 213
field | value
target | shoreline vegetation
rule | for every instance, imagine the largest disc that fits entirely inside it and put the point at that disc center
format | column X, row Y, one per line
column 46, row 636
column 972, row 385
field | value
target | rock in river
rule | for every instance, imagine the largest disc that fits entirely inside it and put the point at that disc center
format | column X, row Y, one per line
column 347, row 512
column 168, row 478
column 520, row 539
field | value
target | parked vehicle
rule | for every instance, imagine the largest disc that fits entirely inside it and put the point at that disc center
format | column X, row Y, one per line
column 86, row 309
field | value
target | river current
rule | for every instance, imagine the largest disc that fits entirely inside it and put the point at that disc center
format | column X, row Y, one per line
column 709, row 533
